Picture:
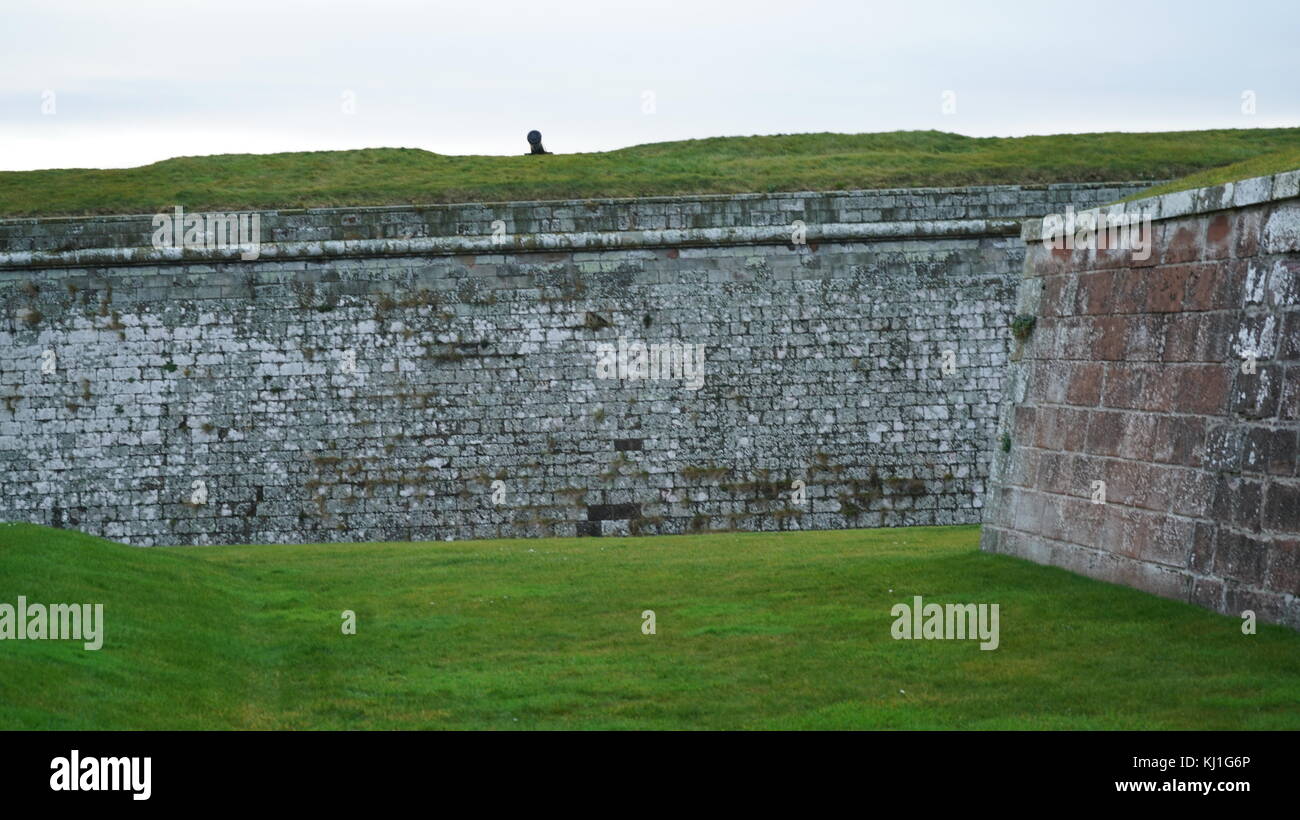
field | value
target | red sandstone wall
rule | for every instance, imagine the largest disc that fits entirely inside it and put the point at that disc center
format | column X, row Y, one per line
column 1133, row 375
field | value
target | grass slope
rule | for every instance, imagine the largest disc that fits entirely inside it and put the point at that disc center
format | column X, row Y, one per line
column 754, row 631
column 800, row 162
column 1263, row 165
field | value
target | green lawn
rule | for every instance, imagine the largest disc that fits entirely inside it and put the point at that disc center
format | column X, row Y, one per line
column 798, row 162
column 779, row 631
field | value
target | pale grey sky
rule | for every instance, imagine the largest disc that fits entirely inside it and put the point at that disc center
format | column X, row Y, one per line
column 117, row 84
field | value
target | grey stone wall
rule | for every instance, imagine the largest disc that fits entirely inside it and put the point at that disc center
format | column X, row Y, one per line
column 376, row 372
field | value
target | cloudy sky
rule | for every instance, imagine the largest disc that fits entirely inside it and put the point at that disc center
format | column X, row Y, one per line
column 118, row 84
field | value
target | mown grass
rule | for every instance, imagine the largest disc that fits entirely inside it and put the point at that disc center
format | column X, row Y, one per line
column 755, row 631
column 799, row 162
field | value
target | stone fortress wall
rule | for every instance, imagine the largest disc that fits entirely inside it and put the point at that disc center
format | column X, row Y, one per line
column 419, row 373
column 1171, row 384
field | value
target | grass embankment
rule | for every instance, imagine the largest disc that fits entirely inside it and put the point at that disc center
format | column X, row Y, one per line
column 1264, row 165
column 799, row 162
column 753, row 631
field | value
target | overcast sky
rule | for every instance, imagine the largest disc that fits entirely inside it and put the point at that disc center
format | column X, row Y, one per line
column 118, row 84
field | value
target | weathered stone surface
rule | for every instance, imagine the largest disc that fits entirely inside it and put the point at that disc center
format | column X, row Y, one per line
column 1192, row 423
column 376, row 372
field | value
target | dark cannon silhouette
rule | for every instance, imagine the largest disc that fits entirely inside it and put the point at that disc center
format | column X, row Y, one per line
column 535, row 140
